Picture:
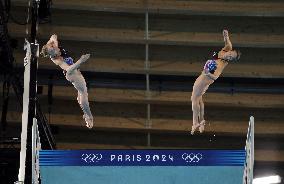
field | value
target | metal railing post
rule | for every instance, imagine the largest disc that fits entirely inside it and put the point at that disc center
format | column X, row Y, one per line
column 146, row 68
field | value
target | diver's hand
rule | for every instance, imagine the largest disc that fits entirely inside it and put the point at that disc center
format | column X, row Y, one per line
column 85, row 57
column 225, row 33
column 54, row 36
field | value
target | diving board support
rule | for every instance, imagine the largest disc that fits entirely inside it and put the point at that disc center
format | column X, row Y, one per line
column 29, row 97
column 249, row 163
column 36, row 147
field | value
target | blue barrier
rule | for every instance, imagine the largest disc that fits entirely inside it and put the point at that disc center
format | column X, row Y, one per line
column 142, row 166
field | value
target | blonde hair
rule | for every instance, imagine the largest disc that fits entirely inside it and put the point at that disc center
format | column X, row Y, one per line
column 44, row 51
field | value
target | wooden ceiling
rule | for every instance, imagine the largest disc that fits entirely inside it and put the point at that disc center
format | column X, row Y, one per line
column 182, row 35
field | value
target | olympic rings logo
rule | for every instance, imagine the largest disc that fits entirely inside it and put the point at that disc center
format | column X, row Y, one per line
column 192, row 157
column 91, row 158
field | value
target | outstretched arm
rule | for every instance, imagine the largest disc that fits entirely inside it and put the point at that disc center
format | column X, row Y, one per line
column 228, row 45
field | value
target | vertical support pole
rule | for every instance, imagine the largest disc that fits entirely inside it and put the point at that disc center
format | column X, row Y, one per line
column 249, row 163
column 35, row 152
column 33, row 148
column 30, row 100
column 22, row 169
column 252, row 148
column 147, row 67
column 31, row 116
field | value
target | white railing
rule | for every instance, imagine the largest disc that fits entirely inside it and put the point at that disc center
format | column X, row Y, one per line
column 248, row 170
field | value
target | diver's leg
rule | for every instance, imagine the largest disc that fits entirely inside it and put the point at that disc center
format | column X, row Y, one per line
column 201, row 116
column 80, row 84
column 196, row 112
column 86, row 109
column 76, row 65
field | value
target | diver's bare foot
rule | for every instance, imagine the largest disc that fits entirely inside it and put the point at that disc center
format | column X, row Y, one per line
column 194, row 127
column 89, row 121
column 202, row 126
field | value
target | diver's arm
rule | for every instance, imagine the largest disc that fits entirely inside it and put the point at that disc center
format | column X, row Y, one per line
column 53, row 40
column 210, row 75
column 228, row 45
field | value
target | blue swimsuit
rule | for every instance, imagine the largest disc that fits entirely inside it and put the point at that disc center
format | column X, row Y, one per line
column 67, row 59
column 211, row 64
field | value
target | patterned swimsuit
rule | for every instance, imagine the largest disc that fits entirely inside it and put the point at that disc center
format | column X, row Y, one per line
column 211, row 65
column 66, row 58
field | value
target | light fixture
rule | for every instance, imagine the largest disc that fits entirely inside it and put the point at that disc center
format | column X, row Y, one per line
column 267, row 180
